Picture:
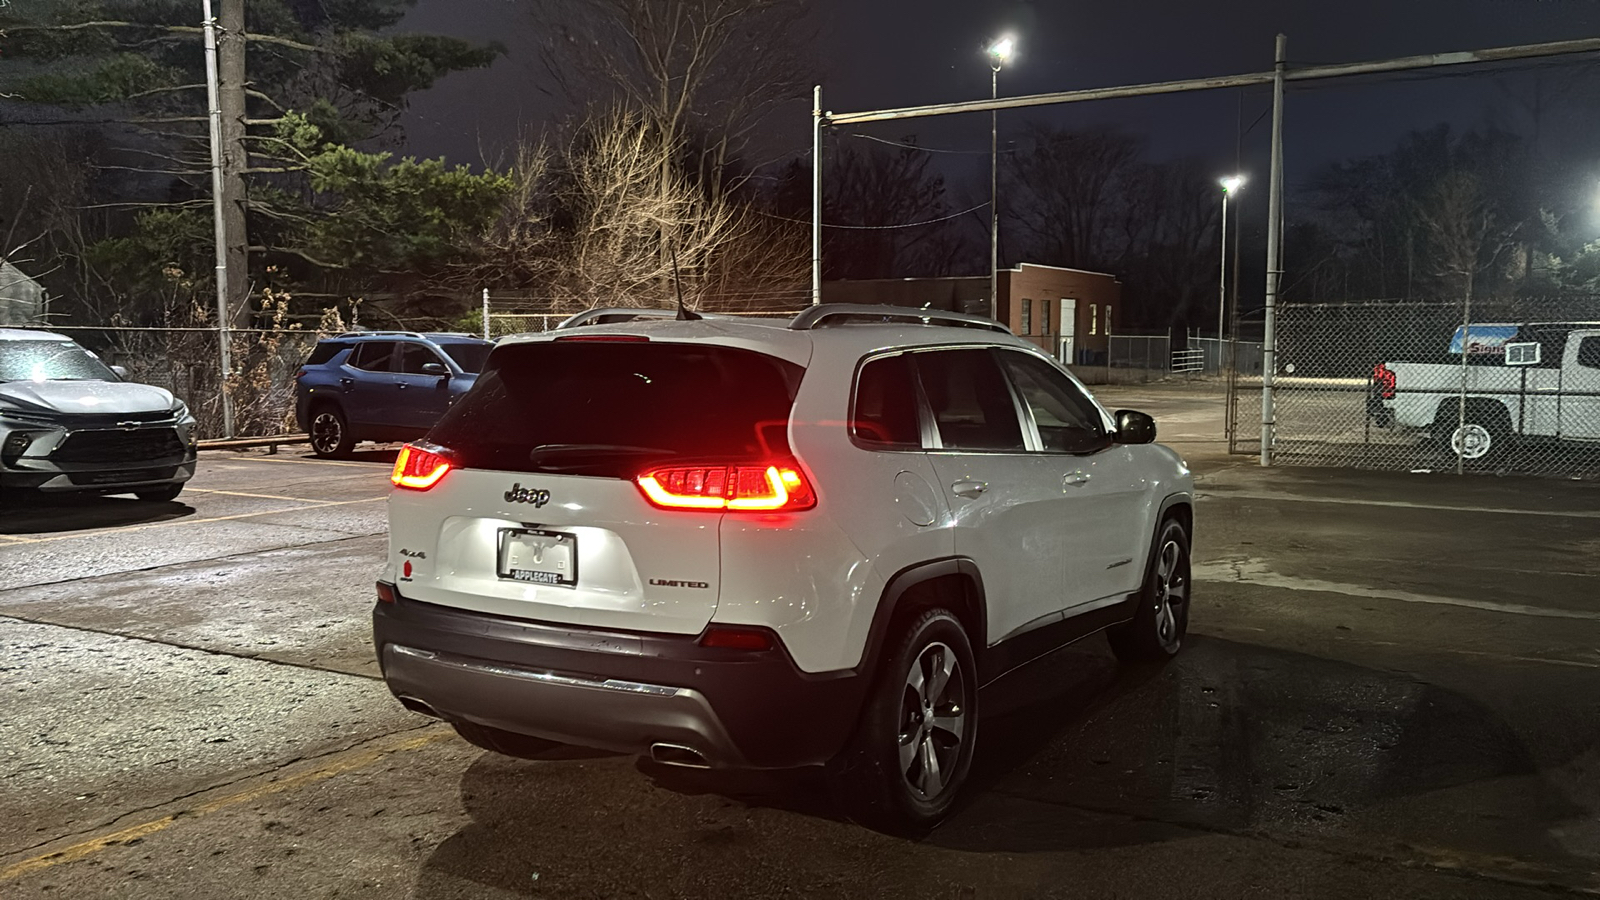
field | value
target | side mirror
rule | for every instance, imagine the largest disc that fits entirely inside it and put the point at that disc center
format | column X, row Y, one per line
column 120, row 372
column 1135, row 427
column 434, row 369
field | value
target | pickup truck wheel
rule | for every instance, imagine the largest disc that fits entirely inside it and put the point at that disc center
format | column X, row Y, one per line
column 1483, row 437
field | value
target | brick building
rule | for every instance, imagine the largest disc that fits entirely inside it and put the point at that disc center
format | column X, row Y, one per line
column 1066, row 311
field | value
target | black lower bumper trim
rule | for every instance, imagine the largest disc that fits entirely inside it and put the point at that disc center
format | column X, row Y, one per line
column 766, row 712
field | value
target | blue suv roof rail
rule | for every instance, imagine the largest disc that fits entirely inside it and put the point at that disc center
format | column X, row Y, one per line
column 845, row 313
column 353, row 334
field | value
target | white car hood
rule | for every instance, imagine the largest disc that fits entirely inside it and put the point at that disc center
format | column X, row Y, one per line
column 77, row 397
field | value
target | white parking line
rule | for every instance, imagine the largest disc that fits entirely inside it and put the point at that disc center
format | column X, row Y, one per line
column 1255, row 571
column 256, row 496
column 1400, row 504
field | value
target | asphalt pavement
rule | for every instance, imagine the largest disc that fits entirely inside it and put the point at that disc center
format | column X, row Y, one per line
column 1390, row 691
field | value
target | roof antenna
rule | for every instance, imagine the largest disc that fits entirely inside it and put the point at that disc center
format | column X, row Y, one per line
column 684, row 313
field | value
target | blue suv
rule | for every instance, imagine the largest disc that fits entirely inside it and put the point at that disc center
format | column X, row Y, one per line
column 382, row 386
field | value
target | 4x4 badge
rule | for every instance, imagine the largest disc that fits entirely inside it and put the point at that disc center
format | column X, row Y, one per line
column 520, row 494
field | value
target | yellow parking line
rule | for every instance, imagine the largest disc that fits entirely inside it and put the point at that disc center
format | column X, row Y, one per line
column 309, row 462
column 343, row 762
column 257, row 496
column 171, row 522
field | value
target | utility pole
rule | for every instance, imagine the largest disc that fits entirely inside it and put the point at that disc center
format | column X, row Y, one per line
column 218, row 218
column 231, row 99
column 816, row 195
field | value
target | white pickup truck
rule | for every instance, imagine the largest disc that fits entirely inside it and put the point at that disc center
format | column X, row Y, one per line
column 1530, row 380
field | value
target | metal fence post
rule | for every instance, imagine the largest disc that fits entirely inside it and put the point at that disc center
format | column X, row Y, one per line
column 1269, row 360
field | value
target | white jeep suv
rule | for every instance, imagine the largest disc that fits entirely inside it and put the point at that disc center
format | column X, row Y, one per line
column 772, row 544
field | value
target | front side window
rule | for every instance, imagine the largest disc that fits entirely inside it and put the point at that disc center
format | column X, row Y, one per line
column 970, row 401
column 414, row 356
column 373, row 356
column 1067, row 420
column 884, row 414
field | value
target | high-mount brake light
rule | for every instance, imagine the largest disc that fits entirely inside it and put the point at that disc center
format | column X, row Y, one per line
column 418, row 469
column 605, row 338
column 770, row 488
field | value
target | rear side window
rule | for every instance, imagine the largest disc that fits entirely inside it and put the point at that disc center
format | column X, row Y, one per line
column 470, row 357
column 613, row 409
column 1589, row 353
column 373, row 356
column 970, row 400
column 885, row 411
column 325, row 351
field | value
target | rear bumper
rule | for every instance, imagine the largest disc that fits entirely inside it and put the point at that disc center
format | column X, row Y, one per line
column 615, row 691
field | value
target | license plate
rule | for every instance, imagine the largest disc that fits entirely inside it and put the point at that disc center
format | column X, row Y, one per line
column 538, row 557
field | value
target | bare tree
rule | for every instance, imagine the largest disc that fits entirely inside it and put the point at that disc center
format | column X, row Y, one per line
column 1072, row 193
column 702, row 74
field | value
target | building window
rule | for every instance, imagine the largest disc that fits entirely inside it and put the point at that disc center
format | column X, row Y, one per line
column 1027, row 317
column 1044, row 317
column 1108, row 318
column 1094, row 318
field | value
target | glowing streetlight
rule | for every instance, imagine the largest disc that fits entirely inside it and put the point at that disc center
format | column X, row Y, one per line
column 999, row 52
column 1230, row 186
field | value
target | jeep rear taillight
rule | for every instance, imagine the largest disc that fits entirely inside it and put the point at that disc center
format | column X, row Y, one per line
column 1383, row 377
column 770, row 488
column 419, row 469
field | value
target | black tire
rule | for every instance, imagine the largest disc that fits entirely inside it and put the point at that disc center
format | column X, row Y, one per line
column 1481, row 439
column 330, row 432
column 1156, row 631
column 164, row 494
column 506, row 743
column 908, row 734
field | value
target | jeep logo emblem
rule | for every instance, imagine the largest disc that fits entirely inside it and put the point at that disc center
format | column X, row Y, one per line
column 519, row 494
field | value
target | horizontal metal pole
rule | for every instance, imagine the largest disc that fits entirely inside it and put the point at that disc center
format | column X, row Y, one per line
column 1341, row 70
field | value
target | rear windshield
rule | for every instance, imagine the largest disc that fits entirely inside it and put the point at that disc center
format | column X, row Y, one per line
column 610, row 409
column 49, row 361
column 470, row 357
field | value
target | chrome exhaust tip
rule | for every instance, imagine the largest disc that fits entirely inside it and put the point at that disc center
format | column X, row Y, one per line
column 417, row 706
column 678, row 755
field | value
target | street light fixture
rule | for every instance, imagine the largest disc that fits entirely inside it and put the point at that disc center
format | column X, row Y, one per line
column 1230, row 186
column 999, row 52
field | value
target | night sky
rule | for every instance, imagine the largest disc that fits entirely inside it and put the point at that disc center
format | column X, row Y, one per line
column 878, row 53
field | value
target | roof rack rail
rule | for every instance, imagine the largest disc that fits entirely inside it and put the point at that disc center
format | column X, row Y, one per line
column 350, row 334
column 610, row 315
column 844, row 313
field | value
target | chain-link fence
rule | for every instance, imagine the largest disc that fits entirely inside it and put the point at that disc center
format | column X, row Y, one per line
column 1137, row 358
column 1500, row 386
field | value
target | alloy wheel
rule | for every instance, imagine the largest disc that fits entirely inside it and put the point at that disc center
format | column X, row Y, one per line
column 932, row 721
column 326, row 433
column 1172, row 591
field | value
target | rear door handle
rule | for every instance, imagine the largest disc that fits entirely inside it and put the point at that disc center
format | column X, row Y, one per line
column 969, row 489
column 400, row 384
column 1076, row 479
